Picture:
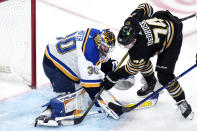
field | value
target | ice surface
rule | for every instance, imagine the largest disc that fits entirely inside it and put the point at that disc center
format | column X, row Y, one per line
column 19, row 106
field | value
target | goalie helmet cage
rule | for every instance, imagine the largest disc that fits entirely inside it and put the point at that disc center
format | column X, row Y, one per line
column 18, row 41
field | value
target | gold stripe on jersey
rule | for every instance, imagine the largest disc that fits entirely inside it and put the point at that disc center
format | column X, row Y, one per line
column 85, row 40
column 171, row 84
column 150, row 10
column 130, row 71
column 66, row 72
column 147, row 9
column 174, row 89
column 178, row 94
column 136, row 65
column 90, row 85
column 134, row 68
column 171, row 28
column 139, row 8
column 97, row 63
column 148, row 74
column 163, row 47
column 148, row 69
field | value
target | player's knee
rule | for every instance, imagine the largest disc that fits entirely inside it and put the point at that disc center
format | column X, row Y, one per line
column 164, row 78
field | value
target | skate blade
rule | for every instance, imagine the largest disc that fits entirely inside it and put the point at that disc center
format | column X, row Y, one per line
column 190, row 116
column 41, row 123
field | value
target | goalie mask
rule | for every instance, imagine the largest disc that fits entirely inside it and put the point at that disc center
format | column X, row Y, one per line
column 105, row 42
column 126, row 36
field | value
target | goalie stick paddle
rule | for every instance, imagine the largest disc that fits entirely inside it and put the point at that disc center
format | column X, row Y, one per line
column 127, row 109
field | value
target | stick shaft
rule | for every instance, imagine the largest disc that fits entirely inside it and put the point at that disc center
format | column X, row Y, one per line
column 156, row 92
column 188, row 17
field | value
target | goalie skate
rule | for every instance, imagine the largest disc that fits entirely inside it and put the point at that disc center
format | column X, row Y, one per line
column 43, row 120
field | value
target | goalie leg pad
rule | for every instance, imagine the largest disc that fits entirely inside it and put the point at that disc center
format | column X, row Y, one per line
column 68, row 104
column 103, row 101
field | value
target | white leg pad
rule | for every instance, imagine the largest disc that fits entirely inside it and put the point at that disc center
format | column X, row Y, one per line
column 103, row 101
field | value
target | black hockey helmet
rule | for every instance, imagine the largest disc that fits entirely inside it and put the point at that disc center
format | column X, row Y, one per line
column 126, row 35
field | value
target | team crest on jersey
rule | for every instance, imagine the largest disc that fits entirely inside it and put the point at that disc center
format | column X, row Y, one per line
column 138, row 61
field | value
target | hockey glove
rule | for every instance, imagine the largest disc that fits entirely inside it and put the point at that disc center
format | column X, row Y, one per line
column 109, row 66
column 107, row 83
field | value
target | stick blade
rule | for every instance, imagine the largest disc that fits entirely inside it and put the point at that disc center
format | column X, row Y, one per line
column 115, row 107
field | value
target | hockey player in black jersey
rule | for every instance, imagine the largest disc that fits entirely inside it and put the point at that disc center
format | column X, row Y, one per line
column 145, row 35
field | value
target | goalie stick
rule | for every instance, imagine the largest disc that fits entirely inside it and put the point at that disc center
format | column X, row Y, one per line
column 147, row 104
column 127, row 109
column 78, row 115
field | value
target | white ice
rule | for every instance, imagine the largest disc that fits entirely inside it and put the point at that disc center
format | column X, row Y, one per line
column 19, row 105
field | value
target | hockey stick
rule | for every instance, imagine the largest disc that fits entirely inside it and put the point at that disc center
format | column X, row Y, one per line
column 78, row 115
column 188, row 17
column 146, row 104
column 80, row 119
column 127, row 109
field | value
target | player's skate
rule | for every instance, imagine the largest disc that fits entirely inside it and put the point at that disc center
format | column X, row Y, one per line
column 148, row 88
column 185, row 109
column 103, row 101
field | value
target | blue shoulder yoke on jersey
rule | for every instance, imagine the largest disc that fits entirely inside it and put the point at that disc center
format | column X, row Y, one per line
column 89, row 47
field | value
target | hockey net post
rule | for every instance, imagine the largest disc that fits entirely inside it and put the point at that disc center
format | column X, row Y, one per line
column 18, row 41
column 33, row 41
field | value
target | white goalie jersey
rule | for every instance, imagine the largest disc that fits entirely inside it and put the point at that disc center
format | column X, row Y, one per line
column 77, row 57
